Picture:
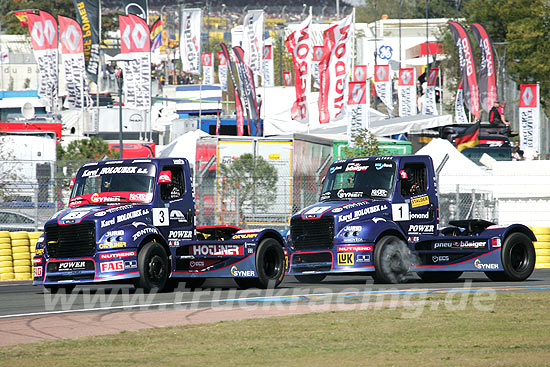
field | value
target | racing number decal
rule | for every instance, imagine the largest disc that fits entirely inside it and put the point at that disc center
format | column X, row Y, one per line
column 160, row 217
column 400, row 212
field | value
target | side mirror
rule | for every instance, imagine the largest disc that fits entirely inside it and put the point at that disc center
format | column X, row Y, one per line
column 71, row 185
column 165, row 177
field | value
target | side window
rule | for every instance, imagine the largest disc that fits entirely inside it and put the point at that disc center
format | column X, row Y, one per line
column 175, row 189
column 413, row 179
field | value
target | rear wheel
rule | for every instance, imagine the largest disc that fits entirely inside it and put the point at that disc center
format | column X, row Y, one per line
column 310, row 278
column 153, row 267
column 270, row 265
column 392, row 260
column 518, row 259
column 439, row 276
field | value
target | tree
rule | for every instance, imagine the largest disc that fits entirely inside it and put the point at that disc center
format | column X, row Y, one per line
column 365, row 144
column 251, row 181
column 10, row 23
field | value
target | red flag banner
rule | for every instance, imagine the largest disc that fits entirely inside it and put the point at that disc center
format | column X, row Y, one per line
column 487, row 71
column 429, row 106
column 318, row 52
column 237, row 95
column 248, row 89
column 72, row 57
column 529, row 118
column 467, row 67
column 360, row 73
column 406, row 86
column 299, row 44
column 382, row 85
column 357, row 110
column 44, row 39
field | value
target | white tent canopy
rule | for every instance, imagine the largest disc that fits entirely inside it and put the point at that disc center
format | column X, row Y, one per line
column 184, row 146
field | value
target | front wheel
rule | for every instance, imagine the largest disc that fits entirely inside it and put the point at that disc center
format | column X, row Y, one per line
column 518, row 259
column 392, row 260
column 270, row 265
column 153, row 268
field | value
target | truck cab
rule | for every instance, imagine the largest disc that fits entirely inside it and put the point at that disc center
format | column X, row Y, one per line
column 134, row 220
column 380, row 216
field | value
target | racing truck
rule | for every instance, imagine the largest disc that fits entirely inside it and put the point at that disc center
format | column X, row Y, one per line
column 379, row 216
column 133, row 220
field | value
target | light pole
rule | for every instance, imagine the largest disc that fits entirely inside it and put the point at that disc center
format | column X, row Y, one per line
column 120, row 80
column 427, row 43
column 399, row 16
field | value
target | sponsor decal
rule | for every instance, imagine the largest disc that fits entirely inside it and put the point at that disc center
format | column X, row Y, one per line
column 354, row 248
column 346, row 258
column 495, row 242
column 420, row 215
column 74, row 215
column 37, row 260
column 37, row 271
column 421, row 228
column 334, row 169
column 478, row 264
column 131, row 264
column 316, row 210
column 361, row 212
column 217, row 250
column 96, row 198
column 173, row 243
column 345, row 195
column 466, row 244
column 440, row 259
column 112, row 266
column 356, row 167
column 117, row 255
column 178, row 161
column 420, row 201
column 131, row 215
column 363, row 258
column 242, row 273
column 379, row 165
column 337, row 210
column 177, row 215
column 184, row 235
column 379, row 192
column 196, row 264
column 114, row 233
column 355, row 205
column 353, row 228
column 414, row 239
column 115, row 170
column 143, row 232
column 39, row 251
column 140, row 196
column 244, row 236
column 109, row 245
column 72, row 265
column 325, row 195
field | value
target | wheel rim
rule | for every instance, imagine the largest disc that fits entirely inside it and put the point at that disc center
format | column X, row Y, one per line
column 272, row 263
column 156, row 269
column 518, row 257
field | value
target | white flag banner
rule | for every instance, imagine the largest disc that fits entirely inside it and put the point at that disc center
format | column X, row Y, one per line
column 208, row 68
column 136, row 46
column 298, row 43
column 268, row 78
column 43, row 30
column 358, row 109
column 429, row 107
column 460, row 113
column 529, row 119
column 190, row 41
column 253, row 39
column 72, row 56
column 222, row 70
column 406, row 88
column 318, row 52
column 335, row 68
column 382, row 85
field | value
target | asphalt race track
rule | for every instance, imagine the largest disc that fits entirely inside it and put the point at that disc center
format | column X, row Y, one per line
column 19, row 299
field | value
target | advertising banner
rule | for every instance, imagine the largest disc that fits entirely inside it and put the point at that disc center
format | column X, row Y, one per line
column 487, row 76
column 87, row 14
column 429, row 106
column 207, row 68
column 382, row 85
column 190, row 41
column 358, row 109
column 268, row 76
column 222, row 70
column 253, row 40
column 529, row 118
column 406, row 88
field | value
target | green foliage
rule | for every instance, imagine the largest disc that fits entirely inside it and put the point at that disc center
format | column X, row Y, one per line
column 365, row 145
column 250, row 180
column 86, row 149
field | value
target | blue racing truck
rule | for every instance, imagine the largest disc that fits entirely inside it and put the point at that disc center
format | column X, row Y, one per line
column 133, row 221
column 380, row 215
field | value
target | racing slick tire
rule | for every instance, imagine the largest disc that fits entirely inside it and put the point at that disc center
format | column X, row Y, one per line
column 392, row 260
column 154, row 268
column 310, row 278
column 55, row 288
column 439, row 276
column 518, row 259
column 270, row 266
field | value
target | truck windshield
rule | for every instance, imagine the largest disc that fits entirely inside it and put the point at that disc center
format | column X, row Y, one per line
column 113, row 184
column 351, row 180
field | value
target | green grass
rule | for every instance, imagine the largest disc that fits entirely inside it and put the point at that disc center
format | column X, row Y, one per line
column 516, row 332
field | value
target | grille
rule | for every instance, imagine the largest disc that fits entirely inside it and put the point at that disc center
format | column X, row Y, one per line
column 312, row 234
column 71, row 240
